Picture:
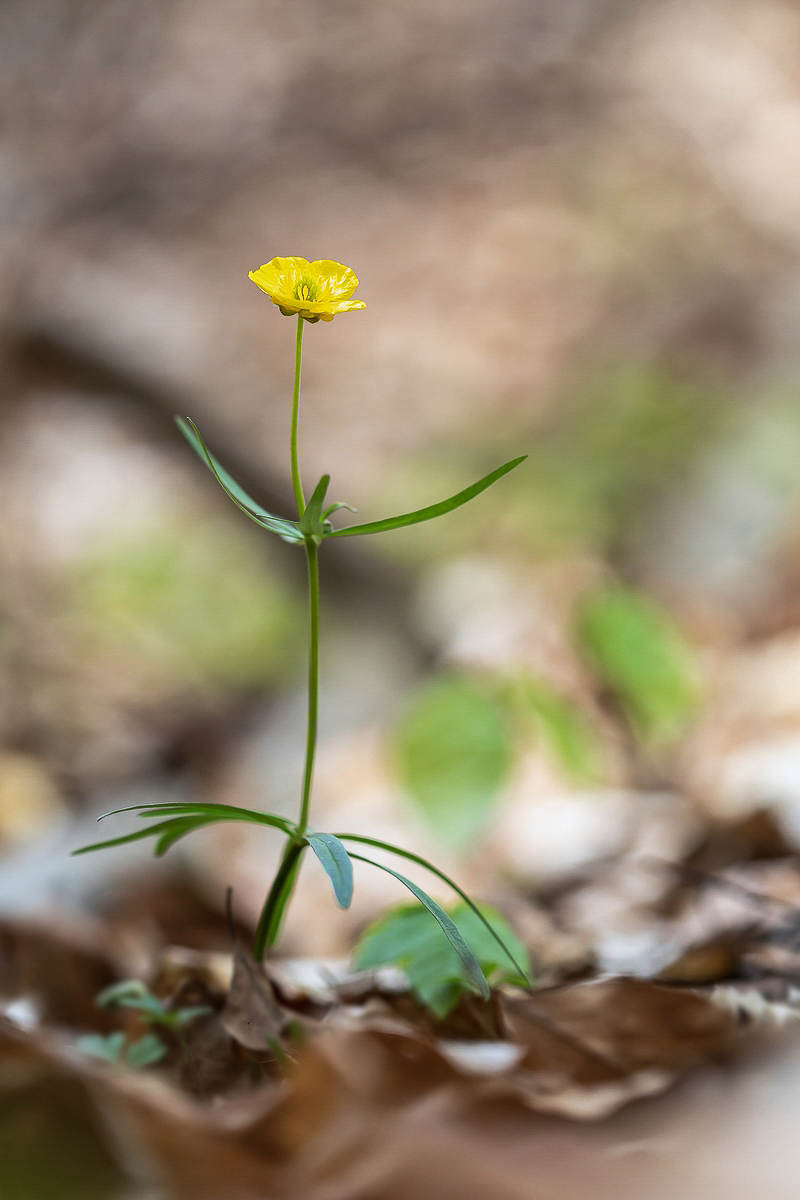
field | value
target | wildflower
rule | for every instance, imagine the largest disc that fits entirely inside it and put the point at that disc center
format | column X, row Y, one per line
column 316, row 290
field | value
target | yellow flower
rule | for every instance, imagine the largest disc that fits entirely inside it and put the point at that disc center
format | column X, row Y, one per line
column 316, row 290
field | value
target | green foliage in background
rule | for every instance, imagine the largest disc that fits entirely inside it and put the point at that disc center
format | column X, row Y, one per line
column 626, row 435
column 620, row 439
column 194, row 605
column 453, row 750
column 560, row 724
column 638, row 654
column 409, row 938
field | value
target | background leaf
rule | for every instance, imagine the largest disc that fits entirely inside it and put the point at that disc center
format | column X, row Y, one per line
column 446, row 924
column 406, row 937
column 453, row 751
column 639, row 655
column 564, row 728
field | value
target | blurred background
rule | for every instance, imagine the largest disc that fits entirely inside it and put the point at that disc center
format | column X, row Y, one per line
column 577, row 229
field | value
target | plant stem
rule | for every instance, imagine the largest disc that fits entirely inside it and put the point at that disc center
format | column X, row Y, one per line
column 283, row 883
column 298, row 364
column 312, row 555
column 277, row 899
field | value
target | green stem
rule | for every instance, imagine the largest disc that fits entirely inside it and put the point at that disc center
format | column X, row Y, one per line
column 298, row 364
column 312, row 555
column 277, row 898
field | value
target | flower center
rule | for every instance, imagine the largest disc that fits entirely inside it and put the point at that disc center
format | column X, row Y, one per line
column 305, row 289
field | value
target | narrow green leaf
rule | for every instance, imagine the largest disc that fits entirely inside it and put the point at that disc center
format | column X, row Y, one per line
column 311, row 521
column 151, row 831
column 332, row 508
column 272, row 929
column 423, row 862
column 225, row 812
column 285, row 529
column 181, row 828
column 433, row 510
column 336, row 861
column 448, row 925
column 182, row 820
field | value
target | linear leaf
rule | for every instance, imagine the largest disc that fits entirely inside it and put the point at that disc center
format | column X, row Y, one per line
column 182, row 820
column 311, row 521
column 284, row 529
column 336, row 861
column 448, row 925
column 423, row 862
column 181, row 828
column 273, row 927
column 224, row 812
column 151, row 831
column 433, row 510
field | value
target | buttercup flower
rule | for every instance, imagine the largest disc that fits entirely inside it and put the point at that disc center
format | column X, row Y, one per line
column 316, row 290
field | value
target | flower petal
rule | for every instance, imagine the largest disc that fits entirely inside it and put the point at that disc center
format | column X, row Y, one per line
column 279, row 277
column 334, row 280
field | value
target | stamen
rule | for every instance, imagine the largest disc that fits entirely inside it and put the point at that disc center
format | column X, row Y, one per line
column 306, row 289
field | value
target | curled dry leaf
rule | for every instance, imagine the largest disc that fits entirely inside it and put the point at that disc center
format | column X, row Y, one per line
column 252, row 1014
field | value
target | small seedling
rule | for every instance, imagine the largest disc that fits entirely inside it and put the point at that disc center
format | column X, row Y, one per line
column 114, row 1048
column 311, row 291
column 132, row 993
column 149, row 1049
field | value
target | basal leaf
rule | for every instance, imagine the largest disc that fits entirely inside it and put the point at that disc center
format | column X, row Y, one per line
column 285, row 529
column 225, row 812
column 447, row 924
column 433, row 510
column 162, row 827
column 336, row 861
column 182, row 819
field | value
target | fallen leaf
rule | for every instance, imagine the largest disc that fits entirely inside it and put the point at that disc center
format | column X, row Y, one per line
column 252, row 1014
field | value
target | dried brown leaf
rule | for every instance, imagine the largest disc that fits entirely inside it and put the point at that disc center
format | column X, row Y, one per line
column 252, row 1014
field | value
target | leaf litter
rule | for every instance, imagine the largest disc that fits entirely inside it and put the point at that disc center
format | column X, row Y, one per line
column 677, row 957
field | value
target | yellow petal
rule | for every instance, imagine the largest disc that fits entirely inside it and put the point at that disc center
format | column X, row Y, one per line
column 280, row 276
column 334, row 280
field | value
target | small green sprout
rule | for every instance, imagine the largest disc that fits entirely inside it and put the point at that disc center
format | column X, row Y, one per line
column 149, row 1049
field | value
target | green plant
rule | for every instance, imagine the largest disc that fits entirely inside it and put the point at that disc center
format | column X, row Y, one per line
column 313, row 291
column 405, row 938
column 639, row 656
column 148, row 1049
